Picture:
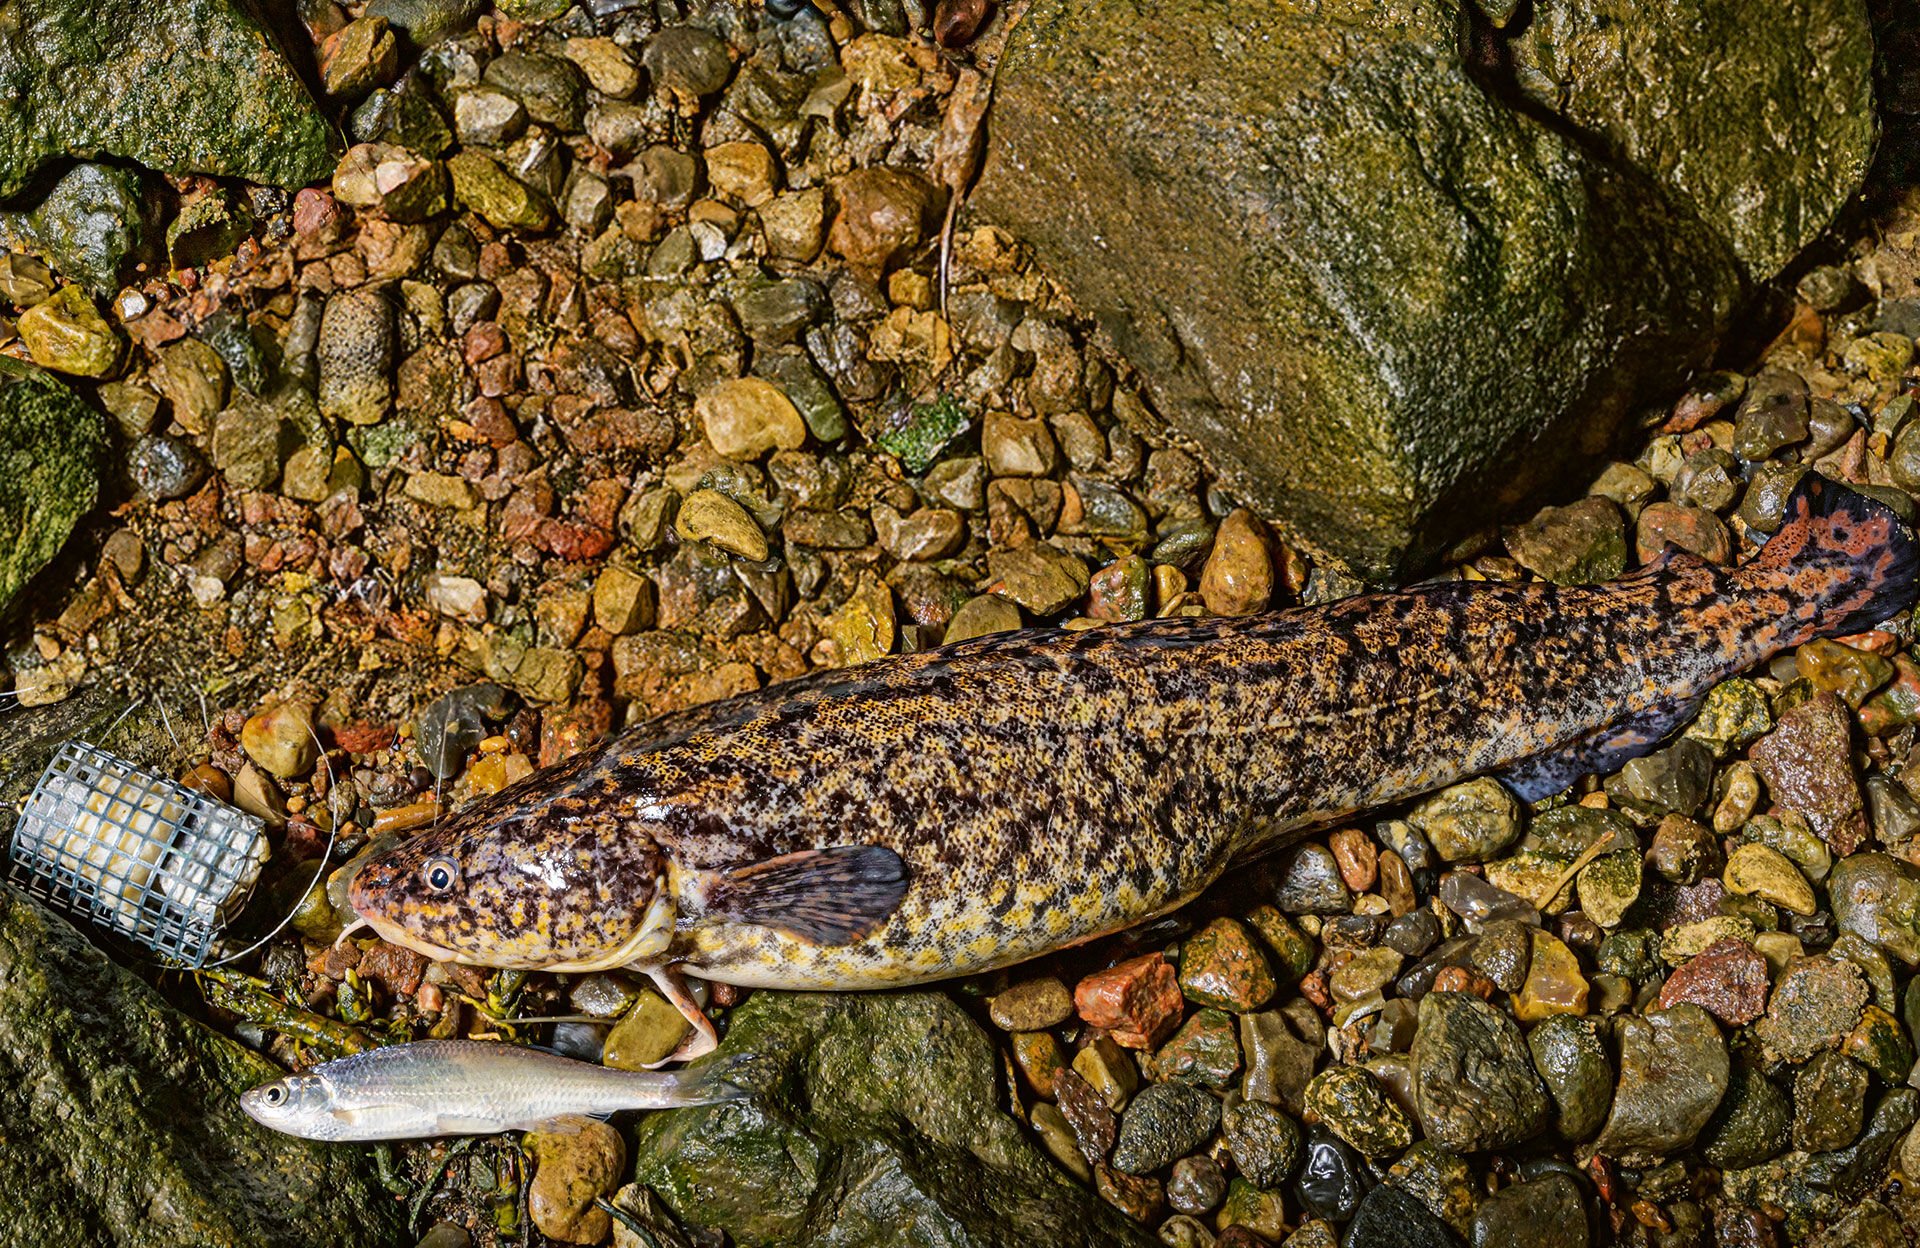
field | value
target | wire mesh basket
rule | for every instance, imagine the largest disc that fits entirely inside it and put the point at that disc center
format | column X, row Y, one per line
column 136, row 852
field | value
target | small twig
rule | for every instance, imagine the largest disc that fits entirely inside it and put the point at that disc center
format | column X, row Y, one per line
column 1600, row 846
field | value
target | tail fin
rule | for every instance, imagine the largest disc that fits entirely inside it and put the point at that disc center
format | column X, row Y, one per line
column 1841, row 561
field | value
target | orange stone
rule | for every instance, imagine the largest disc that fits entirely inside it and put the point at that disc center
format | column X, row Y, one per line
column 1138, row 1002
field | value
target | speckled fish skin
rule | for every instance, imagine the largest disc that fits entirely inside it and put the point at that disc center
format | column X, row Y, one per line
column 1046, row 787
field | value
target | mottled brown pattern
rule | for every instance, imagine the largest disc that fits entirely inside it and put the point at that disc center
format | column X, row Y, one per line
column 1045, row 787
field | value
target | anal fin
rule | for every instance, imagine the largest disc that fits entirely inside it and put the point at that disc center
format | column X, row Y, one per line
column 1604, row 749
column 827, row 896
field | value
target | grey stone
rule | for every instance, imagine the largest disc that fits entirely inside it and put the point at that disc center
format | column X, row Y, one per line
column 1307, row 276
column 52, row 449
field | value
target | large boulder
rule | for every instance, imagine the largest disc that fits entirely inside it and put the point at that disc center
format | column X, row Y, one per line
column 184, row 86
column 1389, row 266
column 875, row 1121
column 123, row 1124
column 51, row 449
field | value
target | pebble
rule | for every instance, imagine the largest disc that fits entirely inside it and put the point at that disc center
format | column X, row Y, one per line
column 165, row 467
column 573, row 1165
column 1474, row 1080
column 1673, row 1072
column 981, row 615
column 1554, row 984
column 1197, row 1185
column 1366, row 973
column 710, row 516
column 1814, row 1005
column 1754, row 870
column 1583, row 543
column 1031, row 1005
column 1572, row 1062
column 1829, row 1103
column 608, row 68
column 1280, row 1055
column 1692, row 529
column 1390, row 1218
column 688, row 60
column 1807, row 764
column 1039, row 1059
column 1310, row 882
column 1250, row 1216
column 281, row 739
column 484, row 117
column 1849, row 674
column 1752, row 1123
column 1683, row 850
column 1238, row 576
column 1876, row 897
column 1058, row 1138
column 1221, row 965
column 746, row 417
column 1137, row 1196
column 193, row 378
column 1330, row 1185
column 1502, row 952
column 1545, row 1210
column 1205, row 1051
column 1040, row 577
column 882, row 213
column 1728, row 979
column 1138, row 1001
column 1674, row 779
column 67, row 334
column 1108, row 1070
column 1018, row 448
column 1469, row 822
column 1354, row 1106
column 1264, row 1143
column 455, row 723
column 651, row 1029
column 354, row 355
column 1609, row 885
column 1772, row 416
column 481, row 185
column 1165, row 1121
column 1087, row 1113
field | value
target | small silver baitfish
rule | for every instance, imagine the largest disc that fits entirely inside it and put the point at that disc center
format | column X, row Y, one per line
column 973, row 806
column 463, row 1087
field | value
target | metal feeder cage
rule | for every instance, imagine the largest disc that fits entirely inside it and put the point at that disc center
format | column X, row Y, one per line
column 136, row 852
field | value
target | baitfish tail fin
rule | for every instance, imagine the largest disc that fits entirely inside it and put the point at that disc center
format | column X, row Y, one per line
column 1841, row 562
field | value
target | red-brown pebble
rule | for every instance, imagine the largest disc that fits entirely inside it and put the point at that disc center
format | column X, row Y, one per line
column 396, row 967
column 1460, row 979
column 1728, row 979
column 1138, row 1001
column 1808, row 766
column 1358, row 858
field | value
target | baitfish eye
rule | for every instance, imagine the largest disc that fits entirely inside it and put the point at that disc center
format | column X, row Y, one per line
column 275, row 1094
column 441, row 874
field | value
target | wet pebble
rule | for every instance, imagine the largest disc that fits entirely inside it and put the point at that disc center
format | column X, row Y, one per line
column 1754, row 870
column 573, row 1165
column 1829, row 1102
column 1310, row 882
column 710, row 516
column 1056, row 1136
column 1351, row 1103
column 1390, row 1218
column 1265, row 1144
column 1673, row 1072
column 1751, row 1124
column 1164, row 1122
column 1330, row 1185
column 1280, row 1050
column 1197, row 1185
column 1469, row 822
column 1238, row 576
column 1205, row 1051
column 1545, row 1210
column 1474, row 1078
column 165, row 467
column 1087, row 1112
column 281, row 739
column 981, row 615
column 1222, row 965
column 1728, row 979
column 1137, row 1001
column 1813, row 1007
column 1572, row 1061
column 1582, row 543
column 651, row 1029
column 1877, row 897
column 1031, row 1005
column 1807, row 764
column 1038, row 576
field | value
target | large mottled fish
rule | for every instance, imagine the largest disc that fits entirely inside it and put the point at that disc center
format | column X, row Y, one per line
column 976, row 805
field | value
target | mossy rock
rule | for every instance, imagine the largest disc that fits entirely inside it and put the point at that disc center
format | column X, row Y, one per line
column 52, row 446
column 1383, row 290
column 120, row 1122
column 875, row 1121
column 183, row 86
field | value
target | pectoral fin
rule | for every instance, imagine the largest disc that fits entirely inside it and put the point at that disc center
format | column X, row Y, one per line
column 826, row 896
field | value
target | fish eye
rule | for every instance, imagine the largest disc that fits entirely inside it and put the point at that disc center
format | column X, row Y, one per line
column 275, row 1094
column 440, row 873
